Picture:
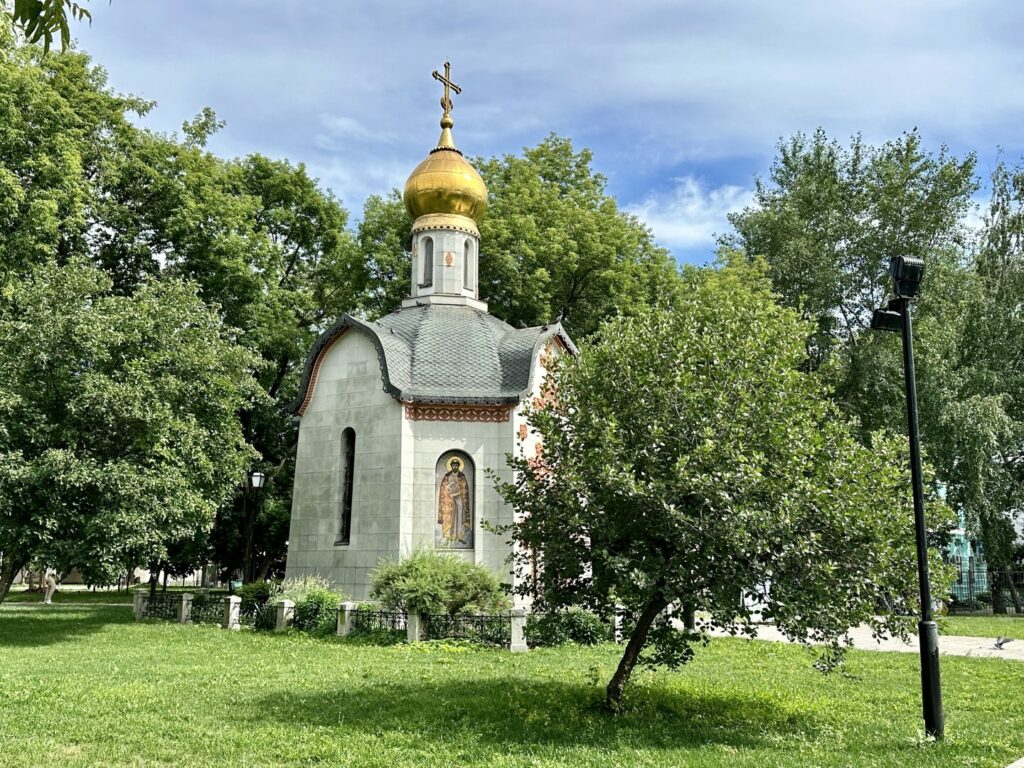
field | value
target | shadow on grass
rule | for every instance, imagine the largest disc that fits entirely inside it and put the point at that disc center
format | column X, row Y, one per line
column 503, row 711
column 23, row 626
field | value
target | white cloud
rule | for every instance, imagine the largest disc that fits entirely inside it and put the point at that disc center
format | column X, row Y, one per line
column 339, row 130
column 690, row 215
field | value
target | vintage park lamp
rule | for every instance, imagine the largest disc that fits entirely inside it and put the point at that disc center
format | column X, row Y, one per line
column 906, row 277
column 256, row 482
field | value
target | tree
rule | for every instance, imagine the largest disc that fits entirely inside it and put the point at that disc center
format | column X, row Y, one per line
column 552, row 244
column 257, row 236
column 830, row 217
column 268, row 247
column 60, row 128
column 985, row 412
column 120, row 432
column 827, row 224
column 41, row 20
column 715, row 465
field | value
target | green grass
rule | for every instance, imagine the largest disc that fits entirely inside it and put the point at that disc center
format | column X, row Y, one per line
column 983, row 626
column 88, row 687
column 77, row 596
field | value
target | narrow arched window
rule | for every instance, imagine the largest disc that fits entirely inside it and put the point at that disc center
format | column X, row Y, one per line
column 428, row 262
column 467, row 251
column 348, row 460
column 455, row 487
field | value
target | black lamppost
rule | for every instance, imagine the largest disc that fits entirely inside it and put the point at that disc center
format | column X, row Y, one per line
column 906, row 277
column 256, row 481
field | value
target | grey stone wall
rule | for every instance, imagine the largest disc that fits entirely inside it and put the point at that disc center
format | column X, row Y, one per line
column 348, row 393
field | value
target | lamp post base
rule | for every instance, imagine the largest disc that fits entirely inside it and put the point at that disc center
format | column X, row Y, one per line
column 931, row 692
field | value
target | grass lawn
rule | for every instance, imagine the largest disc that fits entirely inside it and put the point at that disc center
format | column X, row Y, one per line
column 77, row 596
column 983, row 626
column 88, row 687
column 80, row 595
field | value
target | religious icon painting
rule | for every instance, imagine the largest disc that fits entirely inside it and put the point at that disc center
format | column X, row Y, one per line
column 455, row 475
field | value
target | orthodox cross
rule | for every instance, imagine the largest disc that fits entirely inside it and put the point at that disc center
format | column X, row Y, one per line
column 446, row 78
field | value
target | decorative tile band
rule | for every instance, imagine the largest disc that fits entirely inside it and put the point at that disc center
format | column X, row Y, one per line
column 493, row 414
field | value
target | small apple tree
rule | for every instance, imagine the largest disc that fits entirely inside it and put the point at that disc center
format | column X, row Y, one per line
column 688, row 457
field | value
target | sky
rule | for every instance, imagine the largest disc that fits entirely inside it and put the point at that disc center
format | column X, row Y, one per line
column 682, row 103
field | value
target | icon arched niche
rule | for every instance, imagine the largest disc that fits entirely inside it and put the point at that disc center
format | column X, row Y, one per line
column 456, row 483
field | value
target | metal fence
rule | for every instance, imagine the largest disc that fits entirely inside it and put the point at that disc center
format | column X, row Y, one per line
column 979, row 590
column 162, row 605
column 207, row 609
column 493, row 630
column 368, row 621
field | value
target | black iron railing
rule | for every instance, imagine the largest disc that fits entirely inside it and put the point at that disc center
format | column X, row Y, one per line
column 369, row 621
column 207, row 609
column 490, row 629
column 981, row 590
column 162, row 605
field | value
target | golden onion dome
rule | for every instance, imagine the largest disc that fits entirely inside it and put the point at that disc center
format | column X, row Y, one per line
column 445, row 191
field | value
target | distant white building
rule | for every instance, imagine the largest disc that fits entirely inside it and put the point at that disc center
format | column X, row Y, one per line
column 401, row 418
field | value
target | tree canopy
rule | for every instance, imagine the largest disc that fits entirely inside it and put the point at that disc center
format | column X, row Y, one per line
column 119, row 413
column 827, row 221
column 715, row 464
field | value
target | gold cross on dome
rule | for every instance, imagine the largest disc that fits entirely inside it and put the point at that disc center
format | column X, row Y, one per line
column 446, row 78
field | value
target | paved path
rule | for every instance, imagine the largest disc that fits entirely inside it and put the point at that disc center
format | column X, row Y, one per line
column 949, row 645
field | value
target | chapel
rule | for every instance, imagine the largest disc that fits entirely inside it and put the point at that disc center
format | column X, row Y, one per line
column 402, row 418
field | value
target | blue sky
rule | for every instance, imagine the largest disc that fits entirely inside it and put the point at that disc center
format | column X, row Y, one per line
column 681, row 102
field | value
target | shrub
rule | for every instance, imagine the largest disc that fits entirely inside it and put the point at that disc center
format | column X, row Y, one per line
column 572, row 625
column 265, row 617
column 257, row 593
column 438, row 583
column 317, row 611
column 316, row 603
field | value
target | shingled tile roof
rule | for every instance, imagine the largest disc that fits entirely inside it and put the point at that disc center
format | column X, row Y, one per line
column 445, row 354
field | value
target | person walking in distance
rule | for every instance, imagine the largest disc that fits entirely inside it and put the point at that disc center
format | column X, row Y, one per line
column 51, row 587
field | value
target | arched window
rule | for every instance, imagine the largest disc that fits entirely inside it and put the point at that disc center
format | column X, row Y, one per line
column 348, row 459
column 467, row 251
column 428, row 262
column 455, row 487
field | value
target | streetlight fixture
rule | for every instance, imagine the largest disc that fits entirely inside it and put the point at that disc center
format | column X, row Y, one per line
column 256, row 481
column 906, row 275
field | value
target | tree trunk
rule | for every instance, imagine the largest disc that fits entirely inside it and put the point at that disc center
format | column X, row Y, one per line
column 1014, row 594
column 166, row 575
column 613, row 693
column 9, row 570
column 689, row 617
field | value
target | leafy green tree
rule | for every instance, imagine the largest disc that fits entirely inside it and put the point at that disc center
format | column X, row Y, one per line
column 42, row 20
column 60, row 128
column 983, row 416
column 555, row 244
column 715, row 465
column 385, row 242
column 258, row 237
column 830, row 217
column 266, row 246
column 552, row 244
column 827, row 223
column 120, row 429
